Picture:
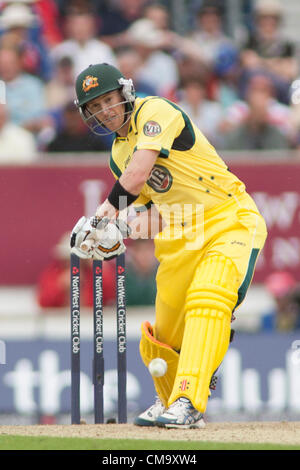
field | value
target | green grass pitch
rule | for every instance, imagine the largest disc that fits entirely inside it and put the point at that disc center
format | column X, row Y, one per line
column 78, row 443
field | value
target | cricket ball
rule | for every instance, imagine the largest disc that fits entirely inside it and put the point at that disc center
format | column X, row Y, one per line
column 157, row 367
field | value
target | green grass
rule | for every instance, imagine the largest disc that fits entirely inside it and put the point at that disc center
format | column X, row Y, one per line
column 78, row 443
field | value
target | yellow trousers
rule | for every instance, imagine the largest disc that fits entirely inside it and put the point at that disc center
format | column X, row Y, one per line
column 198, row 289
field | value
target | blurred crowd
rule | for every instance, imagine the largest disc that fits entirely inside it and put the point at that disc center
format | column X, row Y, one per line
column 285, row 314
column 241, row 90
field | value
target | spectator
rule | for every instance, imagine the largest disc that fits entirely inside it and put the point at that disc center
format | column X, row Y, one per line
column 79, row 6
column 209, row 35
column 159, row 14
column 257, row 130
column 16, row 144
column 17, row 23
column 277, row 115
column 116, row 19
column 129, row 63
column 159, row 47
column 50, row 21
column 286, row 294
column 268, row 49
column 53, row 287
column 60, row 89
column 149, row 41
column 226, row 77
column 141, row 273
column 189, row 67
column 206, row 114
column 202, row 48
column 74, row 135
column 25, row 95
column 81, row 45
column 185, row 51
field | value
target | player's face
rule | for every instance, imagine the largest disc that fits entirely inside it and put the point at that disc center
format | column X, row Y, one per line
column 109, row 110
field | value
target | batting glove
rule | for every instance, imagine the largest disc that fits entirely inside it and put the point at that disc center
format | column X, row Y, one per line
column 79, row 234
column 109, row 242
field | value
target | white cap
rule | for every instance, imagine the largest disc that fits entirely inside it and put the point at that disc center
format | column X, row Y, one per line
column 17, row 15
column 145, row 32
column 268, row 7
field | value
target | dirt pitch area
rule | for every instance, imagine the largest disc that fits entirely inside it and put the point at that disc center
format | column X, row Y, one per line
column 254, row 432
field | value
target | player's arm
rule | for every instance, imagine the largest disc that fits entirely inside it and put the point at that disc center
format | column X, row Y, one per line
column 138, row 170
column 125, row 191
column 128, row 187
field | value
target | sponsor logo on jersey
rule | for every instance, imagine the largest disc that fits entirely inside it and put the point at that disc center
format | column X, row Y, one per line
column 152, row 128
column 160, row 179
column 89, row 82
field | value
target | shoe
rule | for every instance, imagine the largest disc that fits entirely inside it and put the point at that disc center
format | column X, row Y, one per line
column 181, row 414
column 148, row 417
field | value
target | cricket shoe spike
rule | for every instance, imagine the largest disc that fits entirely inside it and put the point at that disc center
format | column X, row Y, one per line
column 182, row 415
column 149, row 417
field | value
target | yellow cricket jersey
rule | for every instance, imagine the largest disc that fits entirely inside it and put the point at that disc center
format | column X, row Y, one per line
column 188, row 169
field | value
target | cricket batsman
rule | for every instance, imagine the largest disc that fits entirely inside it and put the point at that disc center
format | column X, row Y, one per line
column 207, row 248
